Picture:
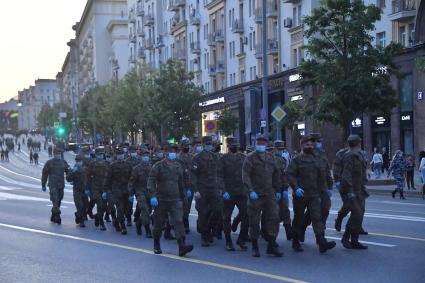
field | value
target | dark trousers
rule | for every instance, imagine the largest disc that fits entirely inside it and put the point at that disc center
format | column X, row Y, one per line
column 284, row 213
column 186, row 211
column 325, row 207
column 357, row 209
column 268, row 207
column 120, row 201
column 56, row 196
column 314, row 207
column 209, row 208
column 409, row 179
column 240, row 201
column 172, row 210
column 79, row 202
column 142, row 209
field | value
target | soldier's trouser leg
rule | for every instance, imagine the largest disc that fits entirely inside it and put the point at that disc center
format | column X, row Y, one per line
column 354, row 223
column 269, row 207
column 215, row 219
column 242, row 205
column 284, row 213
column 143, row 208
column 121, row 204
column 160, row 215
column 175, row 215
column 97, row 199
column 299, row 207
column 325, row 207
column 228, row 206
column 208, row 208
column 187, row 208
column 56, row 196
column 314, row 208
column 79, row 203
column 128, row 210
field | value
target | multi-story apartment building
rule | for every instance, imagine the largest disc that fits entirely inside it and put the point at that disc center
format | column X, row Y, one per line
column 31, row 100
column 221, row 42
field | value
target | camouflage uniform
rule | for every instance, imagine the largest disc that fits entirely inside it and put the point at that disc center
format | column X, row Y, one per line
column 185, row 159
column 77, row 178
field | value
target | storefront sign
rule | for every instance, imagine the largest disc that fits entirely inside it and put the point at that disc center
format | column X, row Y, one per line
column 212, row 101
column 294, row 78
column 357, row 123
column 406, row 118
column 296, row 98
column 380, row 121
column 276, row 84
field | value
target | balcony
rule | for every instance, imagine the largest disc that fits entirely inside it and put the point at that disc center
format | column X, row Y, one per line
column 220, row 67
column 131, row 17
column 172, row 6
column 238, row 26
column 179, row 54
column 141, row 53
column 195, row 47
column 140, row 32
column 272, row 46
column 211, row 39
column 132, row 37
column 258, row 15
column 132, row 60
column 258, row 51
column 272, row 9
column 180, row 3
column 219, row 36
column 149, row 20
column 195, row 18
column 176, row 25
column 403, row 10
column 140, row 10
column 149, row 44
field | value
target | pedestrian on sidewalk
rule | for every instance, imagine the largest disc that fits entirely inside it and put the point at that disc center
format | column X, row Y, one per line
column 422, row 170
column 398, row 169
column 377, row 162
column 386, row 159
column 410, row 172
column 35, row 157
column 31, row 157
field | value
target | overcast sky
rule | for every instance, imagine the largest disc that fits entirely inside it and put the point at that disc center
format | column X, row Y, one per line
column 34, row 34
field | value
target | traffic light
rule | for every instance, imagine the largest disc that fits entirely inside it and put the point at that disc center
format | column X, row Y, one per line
column 60, row 131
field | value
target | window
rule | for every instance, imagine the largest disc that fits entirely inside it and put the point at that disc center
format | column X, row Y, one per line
column 242, row 76
column 406, row 93
column 402, row 35
column 380, row 4
column 299, row 15
column 411, row 34
column 294, row 16
column 380, row 39
column 230, row 49
column 295, row 57
column 255, row 72
column 250, row 41
column 230, row 18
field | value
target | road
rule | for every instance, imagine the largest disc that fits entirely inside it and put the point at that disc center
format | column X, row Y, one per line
column 34, row 250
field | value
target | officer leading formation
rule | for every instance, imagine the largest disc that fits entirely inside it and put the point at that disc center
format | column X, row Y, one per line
column 162, row 182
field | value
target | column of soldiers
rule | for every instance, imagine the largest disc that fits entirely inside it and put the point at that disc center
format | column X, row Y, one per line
column 165, row 181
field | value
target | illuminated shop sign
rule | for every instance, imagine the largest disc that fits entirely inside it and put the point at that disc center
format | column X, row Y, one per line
column 294, row 78
column 296, row 98
column 212, row 101
column 357, row 123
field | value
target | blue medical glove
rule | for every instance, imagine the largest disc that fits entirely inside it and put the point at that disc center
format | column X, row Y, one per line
column 226, row 196
column 253, row 196
column 189, row 193
column 286, row 195
column 278, row 195
column 329, row 192
column 338, row 185
column 105, row 195
column 154, row 202
column 299, row 192
column 130, row 199
column 87, row 192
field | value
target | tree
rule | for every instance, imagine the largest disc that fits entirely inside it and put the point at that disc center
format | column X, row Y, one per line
column 420, row 63
column 227, row 122
column 352, row 74
column 46, row 116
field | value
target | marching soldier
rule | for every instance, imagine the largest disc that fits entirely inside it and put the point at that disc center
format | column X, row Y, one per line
column 229, row 176
column 133, row 160
column 261, row 177
column 185, row 158
column 165, row 183
column 54, row 171
column 77, row 178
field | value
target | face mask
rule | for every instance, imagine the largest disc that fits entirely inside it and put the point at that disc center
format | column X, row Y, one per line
column 160, row 155
column 285, row 155
column 109, row 159
column 198, row 149
column 133, row 154
column 318, row 145
column 145, row 158
column 172, row 156
column 57, row 156
column 185, row 150
column 120, row 157
column 99, row 157
column 260, row 148
column 208, row 147
column 233, row 149
column 125, row 150
column 308, row 150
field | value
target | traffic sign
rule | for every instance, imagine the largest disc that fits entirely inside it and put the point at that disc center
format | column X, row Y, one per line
column 278, row 114
column 263, row 124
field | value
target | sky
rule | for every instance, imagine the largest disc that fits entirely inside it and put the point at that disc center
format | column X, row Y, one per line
column 34, row 34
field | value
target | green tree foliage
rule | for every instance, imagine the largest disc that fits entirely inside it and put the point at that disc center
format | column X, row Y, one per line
column 227, row 122
column 420, row 63
column 353, row 75
column 46, row 116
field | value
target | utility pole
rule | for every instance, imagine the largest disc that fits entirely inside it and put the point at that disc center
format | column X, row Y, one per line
column 115, row 68
column 264, row 81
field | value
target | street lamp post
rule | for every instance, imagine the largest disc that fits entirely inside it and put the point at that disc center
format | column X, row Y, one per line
column 264, row 81
column 115, row 68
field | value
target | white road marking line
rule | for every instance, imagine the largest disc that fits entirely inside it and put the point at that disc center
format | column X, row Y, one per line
column 7, row 196
column 149, row 252
column 396, row 202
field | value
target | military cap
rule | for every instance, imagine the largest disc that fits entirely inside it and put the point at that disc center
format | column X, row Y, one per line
column 316, row 136
column 231, row 141
column 99, row 150
column 279, row 144
column 171, row 146
column 133, row 148
column 263, row 138
column 119, row 151
column 79, row 157
column 196, row 140
column 270, row 146
column 306, row 138
column 207, row 139
column 354, row 138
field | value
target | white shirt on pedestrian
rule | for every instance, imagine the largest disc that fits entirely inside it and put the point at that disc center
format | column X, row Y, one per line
column 377, row 158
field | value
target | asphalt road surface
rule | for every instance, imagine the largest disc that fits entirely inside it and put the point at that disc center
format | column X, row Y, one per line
column 34, row 250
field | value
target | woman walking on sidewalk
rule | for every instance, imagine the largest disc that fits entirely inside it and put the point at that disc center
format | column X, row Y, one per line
column 398, row 169
column 422, row 171
column 377, row 162
column 410, row 172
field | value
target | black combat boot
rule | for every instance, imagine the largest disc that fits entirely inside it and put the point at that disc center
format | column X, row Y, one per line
column 296, row 246
column 102, row 224
column 355, row 244
column 393, row 193
column 148, row 231
column 346, row 239
column 204, row 241
column 272, row 248
column 96, row 220
column 116, row 225
column 241, row 243
column 157, row 247
column 77, row 218
column 402, row 195
column 81, row 224
column 52, row 218
column 363, row 232
column 107, row 218
column 324, row 245
column 255, row 249
column 139, row 227
column 229, row 243
column 338, row 223
column 183, row 248
column 288, row 230
column 123, row 229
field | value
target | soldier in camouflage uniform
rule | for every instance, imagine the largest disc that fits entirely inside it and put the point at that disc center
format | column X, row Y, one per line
column 119, row 173
column 207, row 195
column 398, row 170
column 96, row 176
column 260, row 175
column 229, row 176
column 353, row 191
column 284, row 213
column 86, row 152
column 77, row 178
column 304, row 176
column 337, row 171
column 165, row 184
column 185, row 159
column 107, row 207
column 133, row 160
column 138, row 186
column 54, row 171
